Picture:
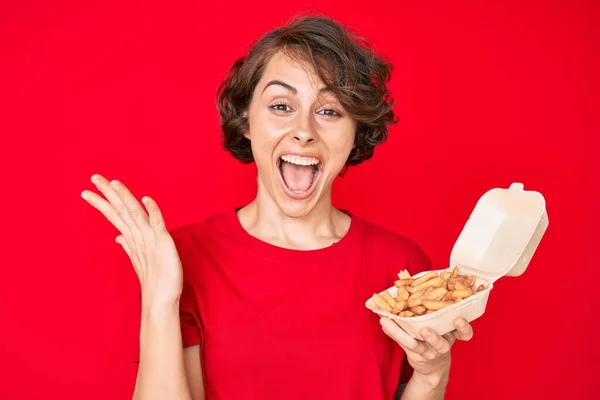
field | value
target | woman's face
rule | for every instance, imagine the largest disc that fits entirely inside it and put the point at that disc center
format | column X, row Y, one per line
column 301, row 136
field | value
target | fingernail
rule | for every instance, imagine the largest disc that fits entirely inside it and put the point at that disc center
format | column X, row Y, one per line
column 426, row 334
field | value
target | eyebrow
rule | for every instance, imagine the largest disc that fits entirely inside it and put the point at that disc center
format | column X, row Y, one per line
column 290, row 87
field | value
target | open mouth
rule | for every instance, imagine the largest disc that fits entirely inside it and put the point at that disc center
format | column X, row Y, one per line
column 299, row 174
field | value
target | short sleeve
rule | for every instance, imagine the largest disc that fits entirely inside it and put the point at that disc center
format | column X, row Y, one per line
column 189, row 315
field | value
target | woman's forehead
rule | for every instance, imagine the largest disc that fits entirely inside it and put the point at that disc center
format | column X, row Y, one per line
column 293, row 71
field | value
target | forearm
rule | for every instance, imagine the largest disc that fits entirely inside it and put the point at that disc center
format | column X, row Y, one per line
column 422, row 387
column 161, row 373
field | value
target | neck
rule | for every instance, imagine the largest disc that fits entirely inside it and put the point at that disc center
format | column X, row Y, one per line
column 321, row 227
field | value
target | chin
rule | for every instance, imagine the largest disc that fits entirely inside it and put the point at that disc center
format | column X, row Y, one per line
column 295, row 209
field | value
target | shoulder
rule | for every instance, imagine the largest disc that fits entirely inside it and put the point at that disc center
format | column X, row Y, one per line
column 191, row 232
column 193, row 239
column 392, row 245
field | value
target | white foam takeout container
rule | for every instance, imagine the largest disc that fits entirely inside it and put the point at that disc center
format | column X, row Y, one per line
column 499, row 239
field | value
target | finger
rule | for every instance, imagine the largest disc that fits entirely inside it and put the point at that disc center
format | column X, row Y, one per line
column 464, row 330
column 109, row 193
column 402, row 338
column 450, row 337
column 121, row 240
column 433, row 339
column 157, row 221
column 106, row 209
column 104, row 186
column 134, row 209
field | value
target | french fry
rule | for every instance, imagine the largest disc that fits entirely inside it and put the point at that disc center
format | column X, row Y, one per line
column 388, row 298
column 471, row 281
column 400, row 306
column 415, row 301
column 435, row 294
column 403, row 294
column 458, row 282
column 404, row 274
column 381, row 303
column 462, row 293
column 424, row 278
column 403, row 282
column 418, row 310
column 435, row 282
column 436, row 304
column 427, row 294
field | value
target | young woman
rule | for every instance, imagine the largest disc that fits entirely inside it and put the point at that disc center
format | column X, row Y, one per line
column 267, row 301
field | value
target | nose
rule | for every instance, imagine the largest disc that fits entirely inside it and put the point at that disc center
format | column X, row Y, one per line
column 304, row 133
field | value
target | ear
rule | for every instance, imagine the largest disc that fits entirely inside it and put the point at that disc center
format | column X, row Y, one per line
column 247, row 132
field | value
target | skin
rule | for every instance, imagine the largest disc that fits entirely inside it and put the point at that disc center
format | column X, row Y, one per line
column 292, row 115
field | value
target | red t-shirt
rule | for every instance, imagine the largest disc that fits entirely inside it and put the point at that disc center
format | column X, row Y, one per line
column 287, row 324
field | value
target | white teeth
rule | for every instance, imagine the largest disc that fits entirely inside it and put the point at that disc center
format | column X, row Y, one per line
column 299, row 160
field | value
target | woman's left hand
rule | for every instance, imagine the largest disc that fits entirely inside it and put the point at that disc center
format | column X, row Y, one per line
column 430, row 356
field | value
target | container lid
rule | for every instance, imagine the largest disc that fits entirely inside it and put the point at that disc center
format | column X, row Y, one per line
column 501, row 234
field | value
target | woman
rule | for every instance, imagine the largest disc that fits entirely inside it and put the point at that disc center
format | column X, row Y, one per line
column 267, row 301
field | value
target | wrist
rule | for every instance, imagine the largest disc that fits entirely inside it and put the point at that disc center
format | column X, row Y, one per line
column 153, row 307
column 433, row 380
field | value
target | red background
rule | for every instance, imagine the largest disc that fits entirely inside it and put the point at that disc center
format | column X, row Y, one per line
column 488, row 93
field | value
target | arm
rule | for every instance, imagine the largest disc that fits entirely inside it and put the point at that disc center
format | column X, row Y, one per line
column 154, row 255
column 424, row 387
column 193, row 368
column 162, row 370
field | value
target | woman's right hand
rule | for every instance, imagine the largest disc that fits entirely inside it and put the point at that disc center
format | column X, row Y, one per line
column 144, row 237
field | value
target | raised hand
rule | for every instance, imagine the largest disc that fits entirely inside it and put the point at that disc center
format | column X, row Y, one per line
column 143, row 236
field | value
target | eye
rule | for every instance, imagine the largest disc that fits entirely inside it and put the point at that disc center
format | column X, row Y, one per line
column 282, row 107
column 328, row 112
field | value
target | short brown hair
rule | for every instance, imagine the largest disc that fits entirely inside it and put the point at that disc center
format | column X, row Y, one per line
column 355, row 74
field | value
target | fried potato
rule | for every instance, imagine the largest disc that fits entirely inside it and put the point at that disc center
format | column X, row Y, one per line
column 404, row 274
column 462, row 293
column 403, row 282
column 415, row 301
column 427, row 294
column 471, row 281
column 436, row 304
column 388, row 298
column 424, row 278
column 435, row 282
column 403, row 294
column 381, row 303
column 418, row 310
column 400, row 306
column 435, row 294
